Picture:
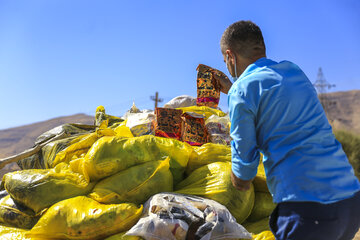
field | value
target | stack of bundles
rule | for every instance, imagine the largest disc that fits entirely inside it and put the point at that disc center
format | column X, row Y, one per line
column 90, row 182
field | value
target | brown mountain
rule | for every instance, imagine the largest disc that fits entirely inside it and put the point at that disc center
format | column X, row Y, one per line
column 343, row 110
column 15, row 140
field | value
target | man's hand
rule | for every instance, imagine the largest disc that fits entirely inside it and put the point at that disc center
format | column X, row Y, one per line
column 239, row 184
column 223, row 82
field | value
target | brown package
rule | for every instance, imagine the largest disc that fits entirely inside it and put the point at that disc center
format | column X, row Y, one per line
column 168, row 123
column 208, row 90
column 193, row 129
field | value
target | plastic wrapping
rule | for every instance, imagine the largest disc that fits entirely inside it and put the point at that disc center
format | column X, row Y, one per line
column 168, row 123
column 122, row 236
column 110, row 155
column 135, row 184
column 15, row 215
column 174, row 217
column 84, row 218
column 11, row 233
column 193, row 129
column 208, row 89
column 140, row 123
column 213, row 181
column 101, row 116
column 263, row 206
column 206, row 154
column 181, row 101
column 219, row 129
column 203, row 110
column 38, row 189
column 257, row 226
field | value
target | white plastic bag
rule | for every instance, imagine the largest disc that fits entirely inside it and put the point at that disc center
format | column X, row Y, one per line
column 181, row 101
column 140, row 123
column 169, row 216
column 219, row 129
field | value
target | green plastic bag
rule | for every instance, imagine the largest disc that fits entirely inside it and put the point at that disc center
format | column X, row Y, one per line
column 110, row 155
column 38, row 189
column 213, row 181
column 84, row 218
column 15, row 215
column 135, row 184
column 208, row 153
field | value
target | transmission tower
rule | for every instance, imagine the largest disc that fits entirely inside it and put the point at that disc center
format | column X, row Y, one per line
column 322, row 86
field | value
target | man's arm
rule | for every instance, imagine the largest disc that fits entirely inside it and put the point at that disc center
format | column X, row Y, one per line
column 245, row 155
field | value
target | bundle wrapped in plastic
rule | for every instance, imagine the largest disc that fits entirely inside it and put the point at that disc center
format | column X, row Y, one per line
column 203, row 110
column 168, row 123
column 175, row 217
column 213, row 181
column 257, row 226
column 264, row 204
column 15, row 215
column 181, row 101
column 206, row 154
column 81, row 146
column 193, row 129
column 101, row 116
column 140, row 122
column 135, row 184
column 110, row 155
column 12, row 233
column 219, row 129
column 38, row 189
column 84, row 218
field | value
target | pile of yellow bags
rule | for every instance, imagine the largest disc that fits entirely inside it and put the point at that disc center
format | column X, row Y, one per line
column 95, row 182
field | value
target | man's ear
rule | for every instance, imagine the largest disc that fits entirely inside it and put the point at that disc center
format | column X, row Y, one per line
column 231, row 56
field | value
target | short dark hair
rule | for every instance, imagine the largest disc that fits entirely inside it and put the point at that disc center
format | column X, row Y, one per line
column 244, row 38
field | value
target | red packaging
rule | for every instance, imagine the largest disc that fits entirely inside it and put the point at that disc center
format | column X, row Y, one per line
column 193, row 129
column 168, row 123
column 208, row 90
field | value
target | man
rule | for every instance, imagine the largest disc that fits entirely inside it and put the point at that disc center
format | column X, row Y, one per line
column 274, row 110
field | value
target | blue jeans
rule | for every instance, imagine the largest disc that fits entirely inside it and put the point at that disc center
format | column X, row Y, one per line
column 316, row 221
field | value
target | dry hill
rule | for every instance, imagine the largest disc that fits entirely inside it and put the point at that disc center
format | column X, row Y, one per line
column 18, row 139
column 344, row 110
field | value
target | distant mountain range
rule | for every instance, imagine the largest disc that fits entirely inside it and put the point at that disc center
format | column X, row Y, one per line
column 343, row 111
column 15, row 140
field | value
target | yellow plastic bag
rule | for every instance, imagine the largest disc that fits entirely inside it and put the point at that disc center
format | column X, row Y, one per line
column 110, row 155
column 257, row 226
column 259, row 181
column 135, row 184
column 12, row 214
column 206, row 154
column 82, row 146
column 263, row 206
column 84, row 218
column 205, row 111
column 50, row 150
column 213, row 181
column 40, row 188
column 266, row 235
column 123, row 131
column 11, row 233
column 122, row 236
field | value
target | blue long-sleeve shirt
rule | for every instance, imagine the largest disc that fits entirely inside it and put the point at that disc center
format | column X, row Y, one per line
column 274, row 109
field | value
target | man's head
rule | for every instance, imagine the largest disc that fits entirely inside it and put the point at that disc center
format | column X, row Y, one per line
column 241, row 44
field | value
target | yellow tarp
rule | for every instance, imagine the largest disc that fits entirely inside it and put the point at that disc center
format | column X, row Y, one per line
column 205, row 111
column 135, row 184
column 84, row 218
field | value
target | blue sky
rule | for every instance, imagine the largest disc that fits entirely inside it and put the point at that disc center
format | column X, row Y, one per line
column 63, row 57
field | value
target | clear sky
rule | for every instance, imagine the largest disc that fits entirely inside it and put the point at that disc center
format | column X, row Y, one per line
column 62, row 57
